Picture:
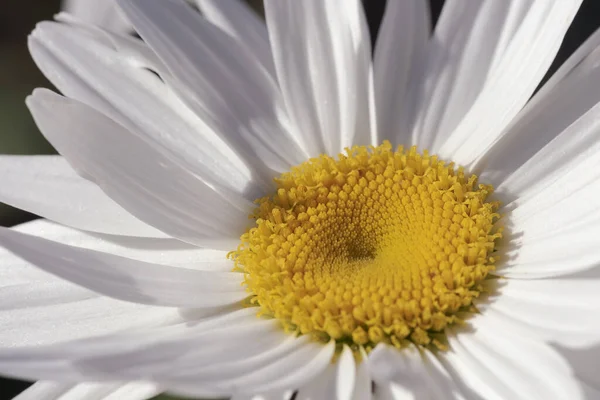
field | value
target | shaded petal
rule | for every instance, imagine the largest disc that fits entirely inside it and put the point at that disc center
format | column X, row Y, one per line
column 322, row 57
column 137, row 175
column 49, row 187
column 398, row 64
column 529, row 35
column 220, row 80
column 103, row 13
column 283, row 395
column 127, row 279
column 407, row 373
column 586, row 363
column 217, row 356
column 125, row 355
column 337, row 381
column 497, row 364
column 89, row 391
column 523, row 305
column 118, row 76
column 39, row 308
column 243, row 24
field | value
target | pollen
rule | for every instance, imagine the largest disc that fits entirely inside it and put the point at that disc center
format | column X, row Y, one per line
column 378, row 245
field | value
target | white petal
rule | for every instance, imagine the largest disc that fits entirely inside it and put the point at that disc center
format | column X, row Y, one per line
column 283, row 395
column 127, row 356
column 117, row 76
column 220, row 80
column 529, row 38
column 160, row 251
column 137, row 175
column 104, row 13
column 500, row 364
column 524, row 304
column 89, row 391
column 586, row 363
column 242, row 23
column 407, row 373
column 250, row 355
column 398, row 64
column 127, row 279
column 363, row 385
column 556, row 130
column 39, row 308
column 49, row 187
column 272, row 371
column 322, row 57
column 336, row 382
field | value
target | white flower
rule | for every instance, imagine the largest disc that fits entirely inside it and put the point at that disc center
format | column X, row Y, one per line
column 165, row 143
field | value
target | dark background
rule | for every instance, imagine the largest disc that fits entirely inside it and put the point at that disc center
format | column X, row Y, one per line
column 19, row 76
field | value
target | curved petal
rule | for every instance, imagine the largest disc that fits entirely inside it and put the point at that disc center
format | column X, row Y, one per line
column 407, row 373
column 49, row 187
column 556, row 129
column 127, row 279
column 103, row 13
column 530, row 35
column 497, row 364
column 336, row 382
column 39, row 308
column 125, row 356
column 523, row 306
column 243, row 24
column 586, row 363
column 322, row 57
column 218, row 356
column 398, row 63
column 137, row 175
column 118, row 77
column 220, row 80
column 89, row 391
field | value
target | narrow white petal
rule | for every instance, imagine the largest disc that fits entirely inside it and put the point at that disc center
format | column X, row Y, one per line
column 283, row 395
column 103, row 13
column 149, row 351
column 137, row 175
column 335, row 382
column 497, row 364
column 39, row 308
column 127, row 279
column 118, row 76
column 363, row 387
column 556, row 130
column 524, row 304
column 407, row 373
column 529, row 38
column 243, row 24
column 468, row 42
column 44, row 390
column 89, row 391
column 291, row 369
column 398, row 65
column 322, row 57
column 49, row 187
column 184, row 357
column 220, row 80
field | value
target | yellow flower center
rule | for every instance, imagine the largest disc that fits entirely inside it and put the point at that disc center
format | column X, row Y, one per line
column 376, row 246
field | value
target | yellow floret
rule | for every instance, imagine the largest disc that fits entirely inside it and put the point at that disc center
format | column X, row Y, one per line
column 376, row 246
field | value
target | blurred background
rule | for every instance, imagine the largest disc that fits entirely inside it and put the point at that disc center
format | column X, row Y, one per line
column 19, row 76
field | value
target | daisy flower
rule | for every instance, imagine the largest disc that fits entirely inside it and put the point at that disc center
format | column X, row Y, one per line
column 270, row 212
